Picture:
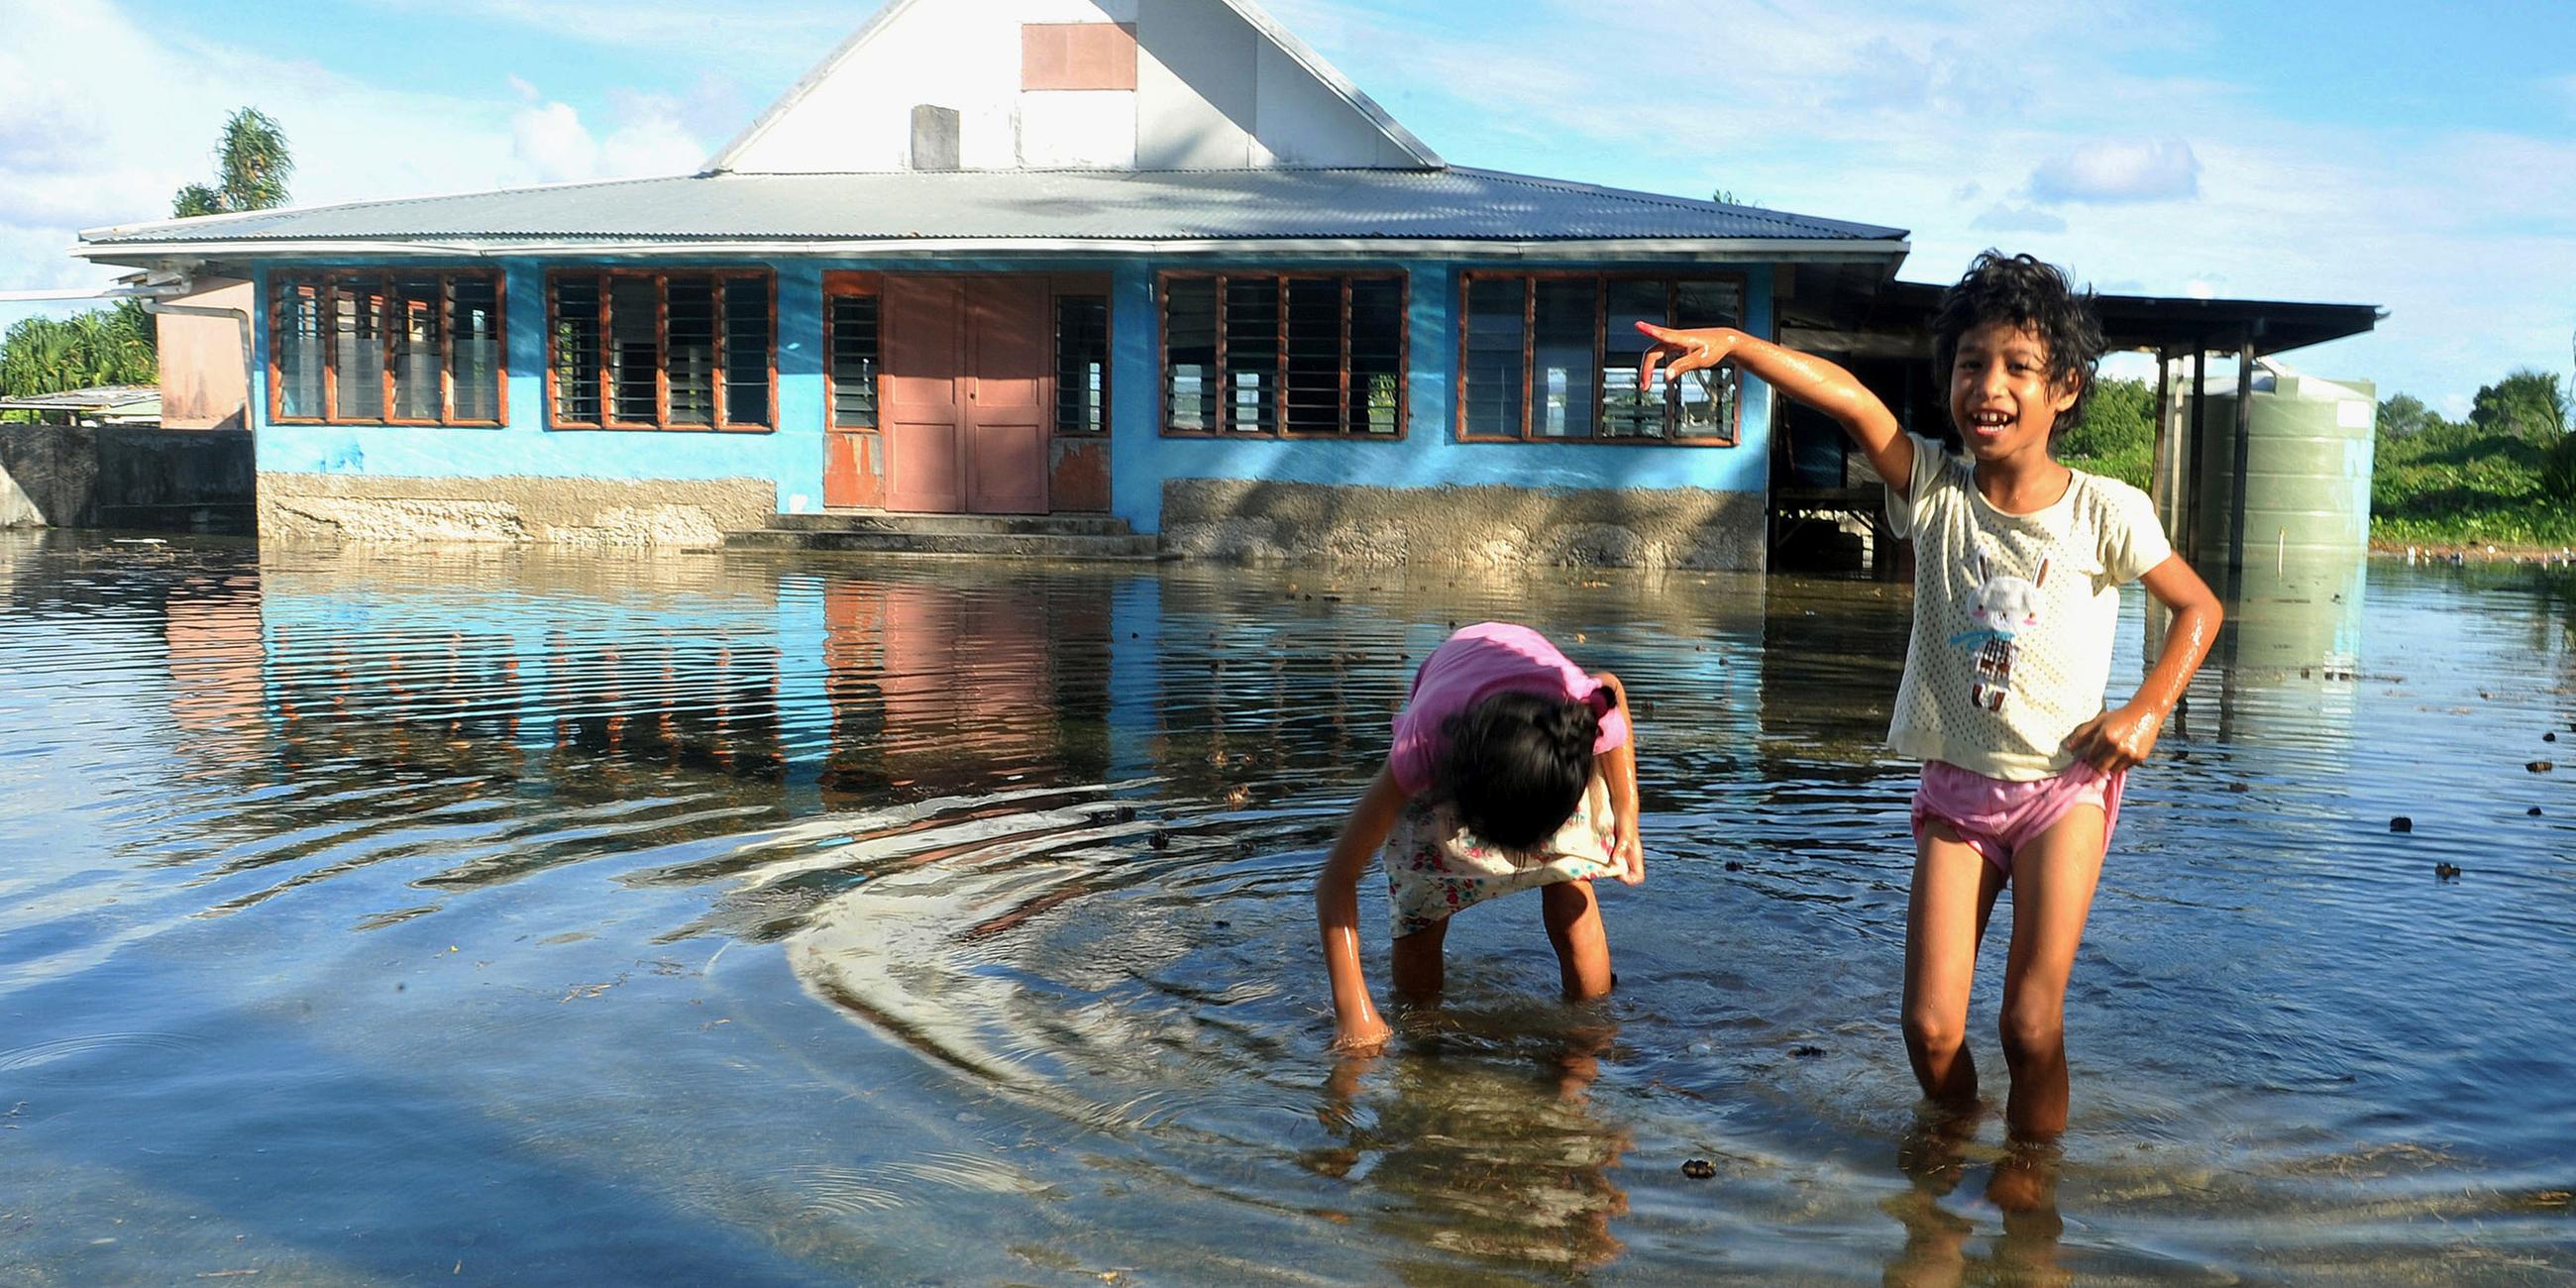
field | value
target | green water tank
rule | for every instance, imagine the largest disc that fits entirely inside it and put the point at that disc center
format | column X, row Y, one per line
column 2307, row 467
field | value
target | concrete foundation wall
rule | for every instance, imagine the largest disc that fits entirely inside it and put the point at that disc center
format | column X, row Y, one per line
column 511, row 510
column 118, row 476
column 1488, row 526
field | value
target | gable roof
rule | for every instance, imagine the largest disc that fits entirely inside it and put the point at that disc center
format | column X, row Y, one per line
column 1469, row 212
column 1250, row 11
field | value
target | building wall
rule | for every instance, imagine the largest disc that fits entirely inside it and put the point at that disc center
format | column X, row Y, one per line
column 524, row 482
column 1211, row 92
column 202, row 380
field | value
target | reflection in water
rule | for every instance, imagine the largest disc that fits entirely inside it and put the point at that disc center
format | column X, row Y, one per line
column 773, row 920
column 1500, row 1160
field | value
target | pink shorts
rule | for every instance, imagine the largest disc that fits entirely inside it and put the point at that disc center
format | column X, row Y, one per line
column 1996, row 817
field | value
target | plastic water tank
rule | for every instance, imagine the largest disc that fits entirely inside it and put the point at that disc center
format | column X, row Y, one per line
column 2307, row 466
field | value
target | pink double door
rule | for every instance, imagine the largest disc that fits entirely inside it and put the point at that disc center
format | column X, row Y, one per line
column 967, row 394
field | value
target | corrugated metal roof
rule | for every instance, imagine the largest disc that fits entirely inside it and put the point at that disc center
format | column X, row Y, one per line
column 1452, row 204
column 95, row 398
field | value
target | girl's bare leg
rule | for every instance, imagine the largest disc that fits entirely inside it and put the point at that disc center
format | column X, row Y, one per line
column 2053, row 881
column 1945, row 920
column 1416, row 963
column 1574, row 929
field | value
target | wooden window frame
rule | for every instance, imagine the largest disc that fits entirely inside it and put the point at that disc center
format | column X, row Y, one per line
column 1278, row 399
column 717, row 370
column 1734, row 435
column 329, row 280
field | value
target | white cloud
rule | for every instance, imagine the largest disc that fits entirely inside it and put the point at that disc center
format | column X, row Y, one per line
column 2005, row 217
column 2119, row 170
column 550, row 139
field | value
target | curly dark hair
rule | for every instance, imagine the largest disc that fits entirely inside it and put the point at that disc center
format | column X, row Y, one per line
column 1517, row 766
column 2024, row 291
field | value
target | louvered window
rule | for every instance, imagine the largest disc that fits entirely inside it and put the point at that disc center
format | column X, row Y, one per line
column 1293, row 355
column 386, row 348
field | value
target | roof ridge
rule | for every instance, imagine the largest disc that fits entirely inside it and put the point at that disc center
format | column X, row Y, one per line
column 1644, row 198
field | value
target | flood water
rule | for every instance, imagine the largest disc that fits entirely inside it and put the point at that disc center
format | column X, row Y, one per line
column 488, row 917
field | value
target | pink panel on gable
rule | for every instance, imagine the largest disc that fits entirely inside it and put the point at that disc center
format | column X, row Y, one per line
column 1077, row 55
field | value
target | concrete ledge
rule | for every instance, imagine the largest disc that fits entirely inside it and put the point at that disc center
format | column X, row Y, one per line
column 514, row 510
column 1486, row 526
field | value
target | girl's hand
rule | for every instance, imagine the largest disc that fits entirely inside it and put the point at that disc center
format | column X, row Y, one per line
column 1631, row 853
column 1362, row 1035
column 1682, row 352
column 2117, row 740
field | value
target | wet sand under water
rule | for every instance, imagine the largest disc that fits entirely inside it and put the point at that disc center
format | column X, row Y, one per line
column 369, row 917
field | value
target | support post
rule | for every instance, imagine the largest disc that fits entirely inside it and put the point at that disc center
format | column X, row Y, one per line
column 2244, row 441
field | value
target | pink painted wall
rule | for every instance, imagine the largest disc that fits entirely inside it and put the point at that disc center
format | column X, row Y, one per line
column 201, row 361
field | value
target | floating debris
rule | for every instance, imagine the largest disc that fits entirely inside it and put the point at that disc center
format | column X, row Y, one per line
column 1734, row 866
column 2447, row 871
column 2540, row 766
column 2240, row 787
column 2534, row 811
column 1807, row 1052
column 1699, row 1169
column 2401, row 823
column 1161, row 840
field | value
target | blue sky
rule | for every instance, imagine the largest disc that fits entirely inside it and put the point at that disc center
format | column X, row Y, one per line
column 2418, row 157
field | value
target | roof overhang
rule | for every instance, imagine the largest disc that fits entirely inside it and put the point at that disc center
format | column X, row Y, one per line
column 198, row 252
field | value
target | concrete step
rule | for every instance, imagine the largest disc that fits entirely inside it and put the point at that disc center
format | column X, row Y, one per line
column 1008, row 545
column 1061, row 525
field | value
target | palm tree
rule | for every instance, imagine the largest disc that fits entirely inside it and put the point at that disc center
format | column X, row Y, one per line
column 252, row 167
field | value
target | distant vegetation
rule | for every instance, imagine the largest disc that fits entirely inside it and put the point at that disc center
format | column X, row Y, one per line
column 119, row 346
column 2506, row 475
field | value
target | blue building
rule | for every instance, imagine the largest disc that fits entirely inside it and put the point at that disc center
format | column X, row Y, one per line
column 1148, row 260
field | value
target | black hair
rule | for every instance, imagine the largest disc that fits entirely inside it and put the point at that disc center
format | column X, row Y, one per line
column 2019, row 290
column 1517, row 766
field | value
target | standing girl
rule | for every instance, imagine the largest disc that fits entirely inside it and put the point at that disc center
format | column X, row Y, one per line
column 2018, row 564
column 1511, row 769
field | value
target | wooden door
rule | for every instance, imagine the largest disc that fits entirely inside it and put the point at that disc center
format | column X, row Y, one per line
column 968, row 394
column 924, row 413
column 1009, row 351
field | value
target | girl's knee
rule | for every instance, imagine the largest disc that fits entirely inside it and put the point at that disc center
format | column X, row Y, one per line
column 2033, row 1030
column 1935, row 1032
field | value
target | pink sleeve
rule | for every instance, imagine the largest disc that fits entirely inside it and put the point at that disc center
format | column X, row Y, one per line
column 1482, row 660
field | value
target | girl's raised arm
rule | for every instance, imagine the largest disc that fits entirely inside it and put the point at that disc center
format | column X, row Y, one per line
column 1357, row 1027
column 1619, row 769
column 1801, row 376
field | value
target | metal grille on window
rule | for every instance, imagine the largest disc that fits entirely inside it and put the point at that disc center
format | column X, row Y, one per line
column 1568, row 321
column 417, row 336
column 1189, row 354
column 634, row 351
column 1252, row 332
column 692, row 305
column 1312, row 390
column 359, row 312
column 1082, row 364
column 577, row 354
column 854, row 362
column 1376, row 357
column 474, row 347
column 1497, row 370
column 300, row 349
column 746, row 351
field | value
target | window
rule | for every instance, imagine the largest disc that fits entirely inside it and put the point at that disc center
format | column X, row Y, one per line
column 1553, row 357
column 1081, row 364
column 386, row 348
column 851, row 356
column 648, row 350
column 1284, row 355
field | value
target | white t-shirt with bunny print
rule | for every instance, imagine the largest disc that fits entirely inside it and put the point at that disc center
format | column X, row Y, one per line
column 2014, row 614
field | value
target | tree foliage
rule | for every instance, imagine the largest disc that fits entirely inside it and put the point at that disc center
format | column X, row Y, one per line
column 2117, row 436
column 2527, row 404
column 252, row 170
column 101, row 347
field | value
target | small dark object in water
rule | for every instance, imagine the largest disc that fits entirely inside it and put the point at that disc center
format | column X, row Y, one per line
column 1734, row 866
column 2540, row 766
column 2534, row 811
column 2401, row 823
column 1162, row 841
column 2551, row 736
column 1807, row 1052
column 1126, row 814
column 2240, row 787
column 1699, row 1169
column 2447, row 871
column 1225, row 925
